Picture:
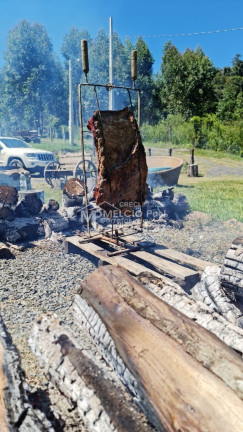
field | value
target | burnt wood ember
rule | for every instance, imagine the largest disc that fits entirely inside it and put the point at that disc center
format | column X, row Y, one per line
column 166, row 354
column 122, row 167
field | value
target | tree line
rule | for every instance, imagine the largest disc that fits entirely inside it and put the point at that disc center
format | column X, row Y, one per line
column 189, row 91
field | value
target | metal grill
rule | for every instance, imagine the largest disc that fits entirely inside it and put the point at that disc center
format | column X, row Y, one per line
column 45, row 157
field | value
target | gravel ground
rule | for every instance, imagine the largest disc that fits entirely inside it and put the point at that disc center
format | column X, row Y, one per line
column 44, row 278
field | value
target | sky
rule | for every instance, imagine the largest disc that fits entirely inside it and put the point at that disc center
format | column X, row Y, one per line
column 136, row 18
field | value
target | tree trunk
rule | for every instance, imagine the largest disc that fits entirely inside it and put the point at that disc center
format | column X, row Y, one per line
column 103, row 404
column 167, row 355
column 16, row 413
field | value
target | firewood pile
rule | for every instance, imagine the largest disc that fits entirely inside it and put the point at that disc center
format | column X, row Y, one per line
column 177, row 356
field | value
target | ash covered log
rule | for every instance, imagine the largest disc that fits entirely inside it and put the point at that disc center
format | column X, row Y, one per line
column 16, row 413
column 30, row 205
column 102, row 403
column 198, row 311
column 153, row 343
column 210, row 292
column 122, row 167
column 231, row 275
column 73, row 193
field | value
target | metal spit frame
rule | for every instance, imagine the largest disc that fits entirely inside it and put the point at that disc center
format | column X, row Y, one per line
column 108, row 87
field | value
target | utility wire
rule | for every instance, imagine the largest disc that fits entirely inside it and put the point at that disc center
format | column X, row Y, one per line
column 189, row 34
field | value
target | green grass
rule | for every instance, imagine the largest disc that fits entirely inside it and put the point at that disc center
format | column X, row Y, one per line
column 221, row 199
column 59, row 145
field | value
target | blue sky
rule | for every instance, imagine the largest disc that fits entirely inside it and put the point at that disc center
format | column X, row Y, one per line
column 145, row 18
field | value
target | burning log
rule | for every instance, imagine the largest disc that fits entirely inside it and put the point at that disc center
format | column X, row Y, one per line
column 103, row 404
column 30, row 205
column 16, row 413
column 73, row 193
column 231, row 275
column 164, row 355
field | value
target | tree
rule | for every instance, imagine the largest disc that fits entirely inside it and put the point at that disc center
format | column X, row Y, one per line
column 145, row 81
column 230, row 106
column 187, row 82
column 71, row 50
column 237, row 68
column 32, row 77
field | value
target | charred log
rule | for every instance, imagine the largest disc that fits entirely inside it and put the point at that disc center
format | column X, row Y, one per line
column 8, row 196
column 102, row 404
column 160, row 349
column 6, row 213
column 16, row 413
column 210, row 292
column 73, row 193
column 199, row 312
column 30, row 205
column 231, row 275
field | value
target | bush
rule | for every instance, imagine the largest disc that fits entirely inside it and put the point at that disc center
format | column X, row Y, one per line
column 207, row 132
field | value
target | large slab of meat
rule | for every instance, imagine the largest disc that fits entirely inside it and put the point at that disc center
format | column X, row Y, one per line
column 122, row 167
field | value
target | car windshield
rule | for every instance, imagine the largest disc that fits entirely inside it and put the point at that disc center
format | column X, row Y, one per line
column 14, row 143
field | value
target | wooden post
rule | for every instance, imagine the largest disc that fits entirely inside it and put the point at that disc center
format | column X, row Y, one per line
column 192, row 169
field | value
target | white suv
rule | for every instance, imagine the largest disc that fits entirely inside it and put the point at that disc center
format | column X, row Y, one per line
column 15, row 153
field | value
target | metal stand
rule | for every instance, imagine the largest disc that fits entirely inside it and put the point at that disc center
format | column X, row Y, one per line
column 108, row 87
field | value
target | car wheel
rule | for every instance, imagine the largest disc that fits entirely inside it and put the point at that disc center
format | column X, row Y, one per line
column 16, row 163
column 36, row 140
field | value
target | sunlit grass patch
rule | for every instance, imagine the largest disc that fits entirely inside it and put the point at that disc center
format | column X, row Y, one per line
column 220, row 199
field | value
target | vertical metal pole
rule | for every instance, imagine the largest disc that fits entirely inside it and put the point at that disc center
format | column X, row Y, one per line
column 82, row 148
column 110, row 65
column 70, row 105
column 139, row 109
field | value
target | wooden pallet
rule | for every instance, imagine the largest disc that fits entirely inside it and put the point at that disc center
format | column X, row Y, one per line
column 159, row 261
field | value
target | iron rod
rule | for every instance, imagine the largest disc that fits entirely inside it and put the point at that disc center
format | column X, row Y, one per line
column 82, row 149
column 110, row 64
column 109, row 86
